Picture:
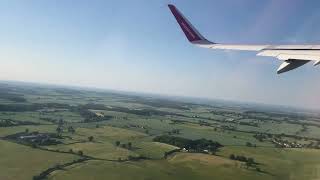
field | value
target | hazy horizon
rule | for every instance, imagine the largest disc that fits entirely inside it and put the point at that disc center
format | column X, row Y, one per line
column 191, row 99
column 138, row 47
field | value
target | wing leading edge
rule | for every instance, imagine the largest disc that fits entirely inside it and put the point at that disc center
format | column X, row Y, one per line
column 293, row 56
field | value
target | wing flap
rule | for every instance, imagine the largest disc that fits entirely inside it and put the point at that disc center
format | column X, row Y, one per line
column 290, row 65
column 302, row 57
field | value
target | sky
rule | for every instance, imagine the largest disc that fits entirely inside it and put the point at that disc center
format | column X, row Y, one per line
column 137, row 46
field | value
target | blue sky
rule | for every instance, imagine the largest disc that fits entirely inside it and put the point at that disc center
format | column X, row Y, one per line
column 137, row 46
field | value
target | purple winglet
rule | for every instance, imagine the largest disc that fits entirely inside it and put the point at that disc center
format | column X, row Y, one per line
column 191, row 33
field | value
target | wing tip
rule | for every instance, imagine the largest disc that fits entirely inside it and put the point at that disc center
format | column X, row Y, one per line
column 191, row 32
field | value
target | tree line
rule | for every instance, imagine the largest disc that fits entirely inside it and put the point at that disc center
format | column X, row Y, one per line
column 199, row 145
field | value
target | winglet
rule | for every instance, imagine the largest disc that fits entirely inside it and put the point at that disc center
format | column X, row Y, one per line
column 191, row 32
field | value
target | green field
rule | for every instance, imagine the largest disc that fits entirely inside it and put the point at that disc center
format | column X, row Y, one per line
column 180, row 166
column 21, row 162
column 282, row 163
column 67, row 133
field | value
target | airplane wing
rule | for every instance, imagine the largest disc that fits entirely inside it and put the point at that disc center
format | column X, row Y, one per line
column 293, row 56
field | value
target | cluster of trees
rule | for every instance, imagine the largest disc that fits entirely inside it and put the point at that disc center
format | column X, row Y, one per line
column 59, row 129
column 34, row 139
column 174, row 131
column 90, row 116
column 10, row 122
column 315, row 145
column 71, row 129
column 93, row 106
column 12, row 97
column 274, row 115
column 249, row 161
column 228, row 127
column 68, row 91
column 133, row 158
column 254, row 124
column 166, row 154
column 162, row 103
column 249, row 144
column 31, row 107
column 48, row 119
column 136, row 158
column 80, row 153
column 261, row 137
column 199, row 145
column 304, row 128
column 203, row 123
column 90, row 138
column 44, row 174
column 143, row 112
column 124, row 145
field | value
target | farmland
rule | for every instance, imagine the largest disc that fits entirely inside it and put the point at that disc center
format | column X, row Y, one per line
column 51, row 132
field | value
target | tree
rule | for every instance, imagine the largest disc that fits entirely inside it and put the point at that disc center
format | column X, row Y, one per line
column 258, row 169
column 248, row 144
column 130, row 157
column 241, row 158
column 70, row 151
column 80, row 153
column 129, row 145
column 34, row 145
column 27, row 130
column 57, row 166
column 60, row 122
column 71, row 129
column 117, row 143
column 90, row 138
column 248, row 164
column 232, row 156
column 59, row 129
column 250, row 160
column 124, row 146
column 165, row 155
column 175, row 131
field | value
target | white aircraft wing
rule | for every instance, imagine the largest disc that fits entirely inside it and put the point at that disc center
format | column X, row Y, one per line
column 293, row 56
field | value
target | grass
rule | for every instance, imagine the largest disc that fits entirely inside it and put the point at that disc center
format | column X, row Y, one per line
column 103, row 150
column 181, row 166
column 4, row 131
column 67, row 116
column 107, row 133
column 23, row 116
column 20, row 162
column 154, row 150
column 103, row 146
column 282, row 163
